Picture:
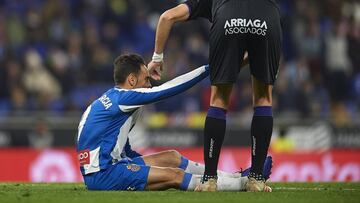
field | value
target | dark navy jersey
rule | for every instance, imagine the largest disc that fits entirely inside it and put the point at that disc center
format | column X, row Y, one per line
column 204, row 8
column 200, row 8
column 207, row 8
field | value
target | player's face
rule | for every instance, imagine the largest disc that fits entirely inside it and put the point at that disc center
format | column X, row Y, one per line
column 143, row 78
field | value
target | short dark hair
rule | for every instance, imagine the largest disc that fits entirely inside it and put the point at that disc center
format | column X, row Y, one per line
column 126, row 64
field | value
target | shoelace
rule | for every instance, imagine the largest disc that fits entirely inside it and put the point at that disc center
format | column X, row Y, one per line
column 207, row 177
column 258, row 177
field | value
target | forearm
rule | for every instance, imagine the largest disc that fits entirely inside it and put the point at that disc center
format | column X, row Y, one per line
column 179, row 84
column 166, row 21
column 138, row 97
column 162, row 33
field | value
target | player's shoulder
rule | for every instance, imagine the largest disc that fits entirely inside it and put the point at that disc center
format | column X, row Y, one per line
column 108, row 98
column 118, row 92
column 115, row 92
column 196, row 3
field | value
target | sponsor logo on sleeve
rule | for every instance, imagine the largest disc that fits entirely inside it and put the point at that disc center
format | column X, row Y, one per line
column 84, row 157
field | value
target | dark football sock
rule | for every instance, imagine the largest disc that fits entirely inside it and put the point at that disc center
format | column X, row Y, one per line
column 214, row 133
column 261, row 131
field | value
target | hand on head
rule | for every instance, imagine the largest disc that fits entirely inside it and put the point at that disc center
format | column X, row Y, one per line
column 155, row 67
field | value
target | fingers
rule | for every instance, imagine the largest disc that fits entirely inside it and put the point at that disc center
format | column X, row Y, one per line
column 156, row 75
column 155, row 69
column 153, row 65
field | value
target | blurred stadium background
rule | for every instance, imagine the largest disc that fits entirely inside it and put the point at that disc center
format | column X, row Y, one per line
column 56, row 57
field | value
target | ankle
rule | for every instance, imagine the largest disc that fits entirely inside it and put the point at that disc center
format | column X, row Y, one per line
column 258, row 177
column 205, row 178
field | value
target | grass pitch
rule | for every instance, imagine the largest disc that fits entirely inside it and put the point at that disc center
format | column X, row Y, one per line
column 282, row 192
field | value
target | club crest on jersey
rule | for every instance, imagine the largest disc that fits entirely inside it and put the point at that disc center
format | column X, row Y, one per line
column 240, row 25
column 133, row 167
column 84, row 157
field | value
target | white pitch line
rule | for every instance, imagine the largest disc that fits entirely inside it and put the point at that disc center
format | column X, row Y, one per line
column 304, row 188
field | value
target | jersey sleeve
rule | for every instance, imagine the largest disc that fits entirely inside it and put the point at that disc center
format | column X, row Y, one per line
column 130, row 100
column 199, row 8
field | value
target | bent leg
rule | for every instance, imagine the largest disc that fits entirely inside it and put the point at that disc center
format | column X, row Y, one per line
column 169, row 158
column 161, row 178
column 173, row 159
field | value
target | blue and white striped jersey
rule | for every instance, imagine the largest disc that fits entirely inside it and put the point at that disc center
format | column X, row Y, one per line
column 104, row 127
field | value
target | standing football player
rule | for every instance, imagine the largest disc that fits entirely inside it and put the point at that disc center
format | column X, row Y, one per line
column 238, row 26
column 107, row 161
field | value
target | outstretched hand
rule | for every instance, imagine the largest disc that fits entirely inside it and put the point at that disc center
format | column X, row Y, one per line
column 155, row 69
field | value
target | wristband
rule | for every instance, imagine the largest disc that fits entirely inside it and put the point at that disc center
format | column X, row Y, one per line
column 158, row 57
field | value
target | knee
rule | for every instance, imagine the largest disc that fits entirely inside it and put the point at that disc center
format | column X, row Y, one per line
column 175, row 157
column 220, row 96
column 262, row 93
column 263, row 101
column 219, row 102
column 177, row 176
column 263, row 96
column 173, row 154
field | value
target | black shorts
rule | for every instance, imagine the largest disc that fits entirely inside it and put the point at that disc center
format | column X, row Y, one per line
column 245, row 25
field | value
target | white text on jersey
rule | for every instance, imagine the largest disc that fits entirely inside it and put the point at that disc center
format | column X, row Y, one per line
column 105, row 100
column 239, row 25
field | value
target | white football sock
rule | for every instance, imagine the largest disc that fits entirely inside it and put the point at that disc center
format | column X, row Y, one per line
column 223, row 183
column 198, row 169
column 194, row 181
column 231, row 184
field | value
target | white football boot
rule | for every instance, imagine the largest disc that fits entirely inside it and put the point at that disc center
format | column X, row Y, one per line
column 253, row 185
column 207, row 186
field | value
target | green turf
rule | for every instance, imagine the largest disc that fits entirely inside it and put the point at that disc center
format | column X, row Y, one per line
column 282, row 192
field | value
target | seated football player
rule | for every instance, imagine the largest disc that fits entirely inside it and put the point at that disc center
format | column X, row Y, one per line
column 107, row 161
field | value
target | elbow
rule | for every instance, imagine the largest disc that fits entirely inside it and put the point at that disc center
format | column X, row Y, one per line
column 167, row 16
column 179, row 13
